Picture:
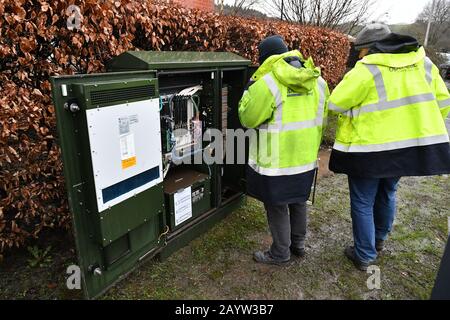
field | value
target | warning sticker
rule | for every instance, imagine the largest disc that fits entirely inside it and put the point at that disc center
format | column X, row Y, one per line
column 127, row 151
column 124, row 125
column 128, row 163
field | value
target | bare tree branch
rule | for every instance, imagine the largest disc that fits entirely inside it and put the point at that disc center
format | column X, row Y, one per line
column 343, row 14
column 440, row 19
column 238, row 5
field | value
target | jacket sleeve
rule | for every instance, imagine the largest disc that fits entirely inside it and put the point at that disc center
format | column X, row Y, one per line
column 326, row 111
column 257, row 105
column 327, row 107
column 441, row 93
column 351, row 91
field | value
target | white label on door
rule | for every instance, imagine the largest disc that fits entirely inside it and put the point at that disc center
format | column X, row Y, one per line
column 183, row 205
column 124, row 125
column 127, row 151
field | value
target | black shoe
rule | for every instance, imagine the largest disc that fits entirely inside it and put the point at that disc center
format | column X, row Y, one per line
column 266, row 258
column 379, row 245
column 350, row 254
column 298, row 252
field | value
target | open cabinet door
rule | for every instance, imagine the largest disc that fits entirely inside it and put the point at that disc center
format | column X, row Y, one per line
column 234, row 82
column 109, row 133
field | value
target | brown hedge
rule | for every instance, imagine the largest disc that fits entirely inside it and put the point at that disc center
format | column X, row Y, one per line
column 36, row 44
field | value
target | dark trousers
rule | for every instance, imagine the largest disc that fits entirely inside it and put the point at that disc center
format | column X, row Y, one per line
column 287, row 225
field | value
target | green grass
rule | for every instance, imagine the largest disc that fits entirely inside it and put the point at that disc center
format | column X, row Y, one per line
column 218, row 265
column 230, row 235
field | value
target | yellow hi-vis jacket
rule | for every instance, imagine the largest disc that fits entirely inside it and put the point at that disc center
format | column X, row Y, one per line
column 288, row 107
column 388, row 104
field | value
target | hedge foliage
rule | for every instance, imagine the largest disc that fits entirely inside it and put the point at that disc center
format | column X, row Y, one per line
column 35, row 44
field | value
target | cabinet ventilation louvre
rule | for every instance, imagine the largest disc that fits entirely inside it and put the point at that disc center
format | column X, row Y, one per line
column 106, row 97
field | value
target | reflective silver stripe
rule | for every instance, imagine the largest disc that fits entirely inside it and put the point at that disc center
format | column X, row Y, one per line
column 277, row 96
column 379, row 83
column 322, row 97
column 383, row 103
column 428, row 69
column 335, row 108
column 392, row 145
column 386, row 105
column 278, row 126
column 292, row 126
column 444, row 103
column 273, row 172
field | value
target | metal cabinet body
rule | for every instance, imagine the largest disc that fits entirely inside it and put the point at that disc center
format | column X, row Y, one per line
column 113, row 142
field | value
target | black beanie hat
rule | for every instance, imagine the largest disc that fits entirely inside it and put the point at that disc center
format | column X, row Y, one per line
column 271, row 46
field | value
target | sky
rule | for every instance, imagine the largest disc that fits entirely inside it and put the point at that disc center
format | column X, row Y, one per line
column 400, row 11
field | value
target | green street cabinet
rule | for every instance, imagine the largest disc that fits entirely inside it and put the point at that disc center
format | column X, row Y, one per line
column 133, row 141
